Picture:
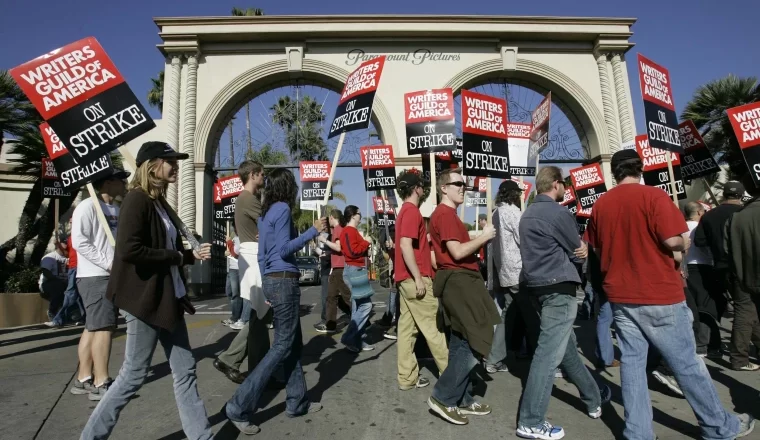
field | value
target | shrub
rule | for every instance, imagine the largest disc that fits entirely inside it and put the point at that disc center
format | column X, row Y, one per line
column 25, row 280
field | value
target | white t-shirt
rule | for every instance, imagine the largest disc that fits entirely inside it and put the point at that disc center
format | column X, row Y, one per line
column 94, row 253
column 171, row 237
column 232, row 262
column 695, row 254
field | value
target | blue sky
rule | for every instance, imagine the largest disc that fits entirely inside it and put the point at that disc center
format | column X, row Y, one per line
column 696, row 40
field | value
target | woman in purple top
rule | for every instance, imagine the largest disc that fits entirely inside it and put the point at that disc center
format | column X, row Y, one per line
column 278, row 243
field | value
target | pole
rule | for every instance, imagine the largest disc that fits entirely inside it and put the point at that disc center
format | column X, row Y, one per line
column 522, row 199
column 332, row 169
column 101, row 217
column 228, row 230
column 433, row 191
column 489, row 201
column 477, row 216
column 710, row 191
column 56, row 206
column 672, row 178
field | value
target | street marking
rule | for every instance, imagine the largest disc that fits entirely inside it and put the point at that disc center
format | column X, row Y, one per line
column 190, row 326
column 378, row 304
column 218, row 307
column 212, row 313
column 200, row 306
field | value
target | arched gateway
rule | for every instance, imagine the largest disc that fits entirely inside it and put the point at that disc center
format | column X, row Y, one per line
column 216, row 64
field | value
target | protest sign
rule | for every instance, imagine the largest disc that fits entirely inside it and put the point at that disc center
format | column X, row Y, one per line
column 659, row 109
column 656, row 167
column 457, row 153
column 569, row 200
column 429, row 118
column 379, row 167
column 484, row 135
column 71, row 175
column 697, row 159
column 52, row 187
column 80, row 93
column 385, row 215
column 226, row 191
column 745, row 120
column 355, row 104
column 539, row 136
column 518, row 137
column 478, row 197
column 314, row 178
column 588, row 183
column 443, row 160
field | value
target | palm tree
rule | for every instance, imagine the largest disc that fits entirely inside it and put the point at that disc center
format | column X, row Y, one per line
column 17, row 114
column 301, row 122
column 267, row 155
column 250, row 12
column 232, row 142
column 707, row 109
column 156, row 93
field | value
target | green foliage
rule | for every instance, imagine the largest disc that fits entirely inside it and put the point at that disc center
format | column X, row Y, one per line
column 156, row 93
column 267, row 155
column 301, row 120
column 707, row 109
column 250, row 12
column 23, row 281
column 17, row 114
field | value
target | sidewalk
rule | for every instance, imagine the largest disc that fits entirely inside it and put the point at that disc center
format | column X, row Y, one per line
column 359, row 391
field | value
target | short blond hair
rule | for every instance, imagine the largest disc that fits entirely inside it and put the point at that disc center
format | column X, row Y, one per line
column 145, row 178
column 546, row 177
column 445, row 177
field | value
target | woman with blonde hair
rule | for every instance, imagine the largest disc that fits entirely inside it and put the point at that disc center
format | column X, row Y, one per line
column 147, row 284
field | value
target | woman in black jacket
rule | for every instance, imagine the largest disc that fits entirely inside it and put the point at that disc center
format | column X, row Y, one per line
column 147, row 284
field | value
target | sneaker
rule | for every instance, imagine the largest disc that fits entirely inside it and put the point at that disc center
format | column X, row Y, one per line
column 749, row 367
column 449, row 413
column 80, row 388
column 270, row 326
column 475, row 409
column 421, row 383
column 606, row 394
column 499, row 367
column 391, row 334
column 558, row 374
column 237, row 325
column 714, row 354
column 668, row 380
column 746, row 424
column 322, row 328
column 53, row 324
column 352, row 349
column 228, row 322
column 313, row 407
column 246, row 428
column 97, row 393
column 367, row 347
column 79, row 323
column 547, row 431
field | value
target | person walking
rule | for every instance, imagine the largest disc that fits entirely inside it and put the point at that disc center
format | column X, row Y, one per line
column 147, row 284
column 354, row 249
column 278, row 243
column 638, row 234
column 468, row 309
column 71, row 298
column 338, row 293
column 551, row 248
column 232, row 285
column 414, row 278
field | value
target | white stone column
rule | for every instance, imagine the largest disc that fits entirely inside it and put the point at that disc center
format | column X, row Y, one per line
column 608, row 105
column 623, row 100
column 187, row 167
column 172, row 118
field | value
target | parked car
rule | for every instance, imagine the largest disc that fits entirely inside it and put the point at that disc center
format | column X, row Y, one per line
column 309, row 267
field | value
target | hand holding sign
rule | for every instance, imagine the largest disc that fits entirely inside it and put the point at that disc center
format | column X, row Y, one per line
column 204, row 252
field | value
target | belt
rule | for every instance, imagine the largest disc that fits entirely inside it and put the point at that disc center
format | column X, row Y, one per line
column 283, row 275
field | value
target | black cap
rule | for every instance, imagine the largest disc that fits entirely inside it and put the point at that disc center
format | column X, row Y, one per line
column 733, row 189
column 409, row 180
column 154, row 149
column 116, row 173
column 623, row 156
column 509, row 185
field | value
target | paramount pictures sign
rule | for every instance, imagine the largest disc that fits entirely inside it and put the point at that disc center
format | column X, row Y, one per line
column 416, row 57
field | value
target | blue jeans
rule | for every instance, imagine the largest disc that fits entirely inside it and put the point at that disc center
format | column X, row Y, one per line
column 454, row 387
column 502, row 297
column 668, row 329
column 232, row 288
column 360, row 309
column 285, row 297
column 587, row 308
column 556, row 346
column 325, row 274
column 393, row 304
column 70, row 299
column 142, row 339
column 605, row 351
column 245, row 315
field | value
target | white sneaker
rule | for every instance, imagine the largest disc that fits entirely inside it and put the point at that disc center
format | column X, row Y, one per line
column 237, row 325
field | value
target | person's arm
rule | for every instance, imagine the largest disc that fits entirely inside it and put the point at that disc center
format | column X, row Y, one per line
column 47, row 265
column 356, row 244
column 335, row 246
column 460, row 251
column 669, row 224
column 567, row 235
column 133, row 235
column 281, row 232
column 83, row 227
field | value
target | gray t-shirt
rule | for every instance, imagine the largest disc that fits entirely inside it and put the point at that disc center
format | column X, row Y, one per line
column 247, row 213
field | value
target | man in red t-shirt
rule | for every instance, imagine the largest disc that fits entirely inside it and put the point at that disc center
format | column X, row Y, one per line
column 637, row 232
column 336, row 287
column 468, row 306
column 414, row 277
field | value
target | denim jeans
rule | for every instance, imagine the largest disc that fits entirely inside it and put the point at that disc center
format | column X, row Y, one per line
column 232, row 288
column 70, row 299
column 502, row 297
column 325, row 277
column 245, row 314
column 587, row 307
column 669, row 329
column 393, row 303
column 285, row 297
column 454, row 386
column 142, row 339
column 354, row 335
column 605, row 351
column 556, row 346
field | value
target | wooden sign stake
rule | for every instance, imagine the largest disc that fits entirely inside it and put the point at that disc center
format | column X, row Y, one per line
column 101, row 217
column 489, row 201
column 672, row 178
column 522, row 198
column 710, row 191
column 334, row 166
column 56, row 213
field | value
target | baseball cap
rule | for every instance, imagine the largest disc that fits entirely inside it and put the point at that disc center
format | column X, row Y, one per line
column 410, row 180
column 509, row 185
column 155, row 149
column 116, row 173
column 733, row 189
column 623, row 156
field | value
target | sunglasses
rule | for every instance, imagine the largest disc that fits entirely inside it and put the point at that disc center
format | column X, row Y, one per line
column 458, row 184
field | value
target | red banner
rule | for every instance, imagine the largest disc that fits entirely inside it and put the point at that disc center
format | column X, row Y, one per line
column 227, row 187
column 654, row 158
column 315, row 170
column 363, row 80
column 428, row 106
column 67, row 76
column 484, row 115
column 655, row 83
column 379, row 156
column 746, row 123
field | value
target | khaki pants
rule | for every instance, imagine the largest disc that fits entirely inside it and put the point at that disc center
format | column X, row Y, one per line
column 418, row 315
